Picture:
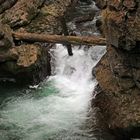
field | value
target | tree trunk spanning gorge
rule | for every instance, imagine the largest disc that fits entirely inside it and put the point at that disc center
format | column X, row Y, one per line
column 28, row 60
column 118, row 72
column 32, row 37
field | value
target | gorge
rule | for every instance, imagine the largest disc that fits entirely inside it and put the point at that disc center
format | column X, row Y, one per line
column 48, row 95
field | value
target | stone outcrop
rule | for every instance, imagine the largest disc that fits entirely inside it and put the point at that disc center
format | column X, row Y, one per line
column 24, row 61
column 22, row 12
column 118, row 72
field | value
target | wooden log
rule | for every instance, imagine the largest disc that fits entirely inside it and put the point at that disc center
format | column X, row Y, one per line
column 85, row 40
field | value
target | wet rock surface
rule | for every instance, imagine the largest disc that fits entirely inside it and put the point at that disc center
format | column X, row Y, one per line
column 24, row 61
column 118, row 72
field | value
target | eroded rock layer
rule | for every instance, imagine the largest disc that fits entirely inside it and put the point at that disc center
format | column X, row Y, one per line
column 118, row 72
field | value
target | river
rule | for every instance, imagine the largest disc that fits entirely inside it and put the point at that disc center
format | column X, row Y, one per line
column 57, row 108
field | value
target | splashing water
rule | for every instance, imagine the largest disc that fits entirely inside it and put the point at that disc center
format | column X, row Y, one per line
column 57, row 109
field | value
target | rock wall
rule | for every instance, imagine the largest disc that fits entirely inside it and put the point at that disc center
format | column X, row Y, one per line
column 118, row 72
column 24, row 61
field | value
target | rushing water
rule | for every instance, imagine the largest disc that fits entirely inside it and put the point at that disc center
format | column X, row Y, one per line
column 58, row 108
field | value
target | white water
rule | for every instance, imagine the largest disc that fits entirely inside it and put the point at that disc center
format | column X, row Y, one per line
column 58, row 108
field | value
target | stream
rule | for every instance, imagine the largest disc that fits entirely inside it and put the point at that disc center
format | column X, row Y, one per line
column 57, row 108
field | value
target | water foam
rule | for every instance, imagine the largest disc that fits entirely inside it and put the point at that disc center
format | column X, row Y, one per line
column 60, row 113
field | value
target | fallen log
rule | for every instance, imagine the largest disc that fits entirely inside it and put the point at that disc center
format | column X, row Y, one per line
column 79, row 40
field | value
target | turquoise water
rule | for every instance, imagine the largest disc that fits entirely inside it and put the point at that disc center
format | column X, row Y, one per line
column 18, row 109
column 57, row 108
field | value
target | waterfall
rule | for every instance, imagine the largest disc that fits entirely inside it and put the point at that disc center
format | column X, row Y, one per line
column 58, row 108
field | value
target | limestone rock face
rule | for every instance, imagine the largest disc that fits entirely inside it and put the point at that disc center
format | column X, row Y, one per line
column 24, row 61
column 32, row 63
column 116, row 77
column 118, row 72
column 122, row 23
column 22, row 12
